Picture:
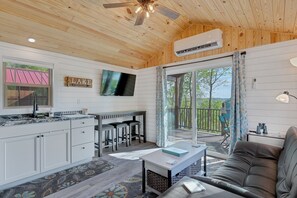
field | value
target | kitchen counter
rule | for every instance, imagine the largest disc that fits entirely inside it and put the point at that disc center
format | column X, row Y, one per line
column 47, row 144
column 12, row 120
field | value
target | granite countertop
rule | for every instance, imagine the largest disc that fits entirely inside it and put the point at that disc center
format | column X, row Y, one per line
column 12, row 120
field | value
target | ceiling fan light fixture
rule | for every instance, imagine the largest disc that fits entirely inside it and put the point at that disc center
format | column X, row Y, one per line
column 138, row 9
column 151, row 8
column 147, row 14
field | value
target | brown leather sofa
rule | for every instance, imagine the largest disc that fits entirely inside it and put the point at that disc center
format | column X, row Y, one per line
column 260, row 170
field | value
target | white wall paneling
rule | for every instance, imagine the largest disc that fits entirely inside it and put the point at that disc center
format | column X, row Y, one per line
column 270, row 66
column 146, row 93
column 68, row 98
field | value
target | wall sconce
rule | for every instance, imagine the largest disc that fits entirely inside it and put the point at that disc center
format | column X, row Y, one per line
column 285, row 97
column 293, row 61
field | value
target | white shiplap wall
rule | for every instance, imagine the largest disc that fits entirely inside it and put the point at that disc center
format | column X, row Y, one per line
column 270, row 66
column 69, row 98
column 274, row 74
column 146, row 93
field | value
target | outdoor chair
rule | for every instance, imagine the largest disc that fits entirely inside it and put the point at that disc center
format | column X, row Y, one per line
column 225, row 130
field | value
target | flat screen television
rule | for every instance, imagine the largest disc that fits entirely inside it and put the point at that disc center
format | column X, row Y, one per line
column 117, row 84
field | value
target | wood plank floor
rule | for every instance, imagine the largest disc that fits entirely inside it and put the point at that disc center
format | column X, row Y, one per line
column 127, row 164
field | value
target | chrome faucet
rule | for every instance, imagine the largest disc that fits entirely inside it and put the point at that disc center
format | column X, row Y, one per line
column 35, row 105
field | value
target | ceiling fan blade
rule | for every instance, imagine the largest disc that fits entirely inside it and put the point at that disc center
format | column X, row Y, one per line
column 166, row 11
column 140, row 18
column 118, row 5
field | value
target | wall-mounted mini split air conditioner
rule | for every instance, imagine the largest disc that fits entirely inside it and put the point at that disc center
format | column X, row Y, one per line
column 202, row 42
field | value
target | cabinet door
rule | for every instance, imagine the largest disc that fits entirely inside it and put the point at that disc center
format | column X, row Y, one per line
column 20, row 157
column 55, row 149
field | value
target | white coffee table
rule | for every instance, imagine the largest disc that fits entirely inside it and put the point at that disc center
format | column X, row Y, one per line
column 157, row 162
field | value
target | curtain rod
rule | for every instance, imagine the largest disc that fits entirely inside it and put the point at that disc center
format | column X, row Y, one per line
column 182, row 64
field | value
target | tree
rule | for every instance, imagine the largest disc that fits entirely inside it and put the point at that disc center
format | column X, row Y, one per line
column 210, row 80
column 207, row 81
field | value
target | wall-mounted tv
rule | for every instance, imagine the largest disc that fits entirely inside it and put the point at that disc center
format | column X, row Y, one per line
column 117, row 84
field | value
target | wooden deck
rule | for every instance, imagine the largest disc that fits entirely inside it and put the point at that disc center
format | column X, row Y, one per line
column 213, row 141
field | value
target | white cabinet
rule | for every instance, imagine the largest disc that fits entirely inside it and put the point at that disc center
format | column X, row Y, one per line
column 83, row 151
column 82, row 139
column 27, row 150
column 82, row 135
column 31, row 149
column 55, row 149
column 20, row 157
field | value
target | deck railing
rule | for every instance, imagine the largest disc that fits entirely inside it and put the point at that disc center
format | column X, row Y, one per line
column 207, row 119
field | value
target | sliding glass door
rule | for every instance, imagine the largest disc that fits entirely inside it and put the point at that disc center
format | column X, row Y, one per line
column 196, row 102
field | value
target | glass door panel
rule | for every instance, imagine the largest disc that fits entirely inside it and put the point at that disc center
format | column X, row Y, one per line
column 213, row 93
column 179, row 100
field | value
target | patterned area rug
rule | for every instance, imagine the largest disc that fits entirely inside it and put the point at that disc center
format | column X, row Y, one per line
column 132, row 187
column 58, row 181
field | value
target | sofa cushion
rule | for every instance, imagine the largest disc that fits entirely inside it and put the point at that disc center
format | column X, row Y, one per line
column 252, row 166
column 227, row 186
column 287, row 166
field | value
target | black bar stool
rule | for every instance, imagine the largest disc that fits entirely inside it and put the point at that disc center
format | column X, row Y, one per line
column 123, row 126
column 134, row 123
column 109, row 136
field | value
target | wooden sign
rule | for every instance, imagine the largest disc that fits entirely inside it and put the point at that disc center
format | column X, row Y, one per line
column 78, row 82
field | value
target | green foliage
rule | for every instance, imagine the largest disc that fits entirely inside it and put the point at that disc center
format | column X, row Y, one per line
column 187, row 91
column 213, row 78
column 24, row 66
column 202, row 103
column 207, row 81
column 170, row 94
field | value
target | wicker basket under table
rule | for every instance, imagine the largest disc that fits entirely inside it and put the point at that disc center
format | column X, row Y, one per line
column 160, row 183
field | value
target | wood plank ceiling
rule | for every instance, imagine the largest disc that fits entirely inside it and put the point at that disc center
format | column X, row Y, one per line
column 83, row 28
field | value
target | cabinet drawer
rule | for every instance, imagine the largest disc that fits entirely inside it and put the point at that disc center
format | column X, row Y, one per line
column 82, row 152
column 82, row 135
column 82, row 122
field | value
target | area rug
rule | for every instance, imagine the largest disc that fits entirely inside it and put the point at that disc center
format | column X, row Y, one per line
column 132, row 187
column 58, row 181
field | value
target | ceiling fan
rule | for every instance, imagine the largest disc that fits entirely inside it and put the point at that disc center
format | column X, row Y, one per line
column 144, row 8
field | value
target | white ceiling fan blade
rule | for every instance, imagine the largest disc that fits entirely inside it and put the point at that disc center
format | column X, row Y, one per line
column 140, row 18
column 166, row 11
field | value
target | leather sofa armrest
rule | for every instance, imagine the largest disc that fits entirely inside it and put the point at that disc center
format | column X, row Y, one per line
column 227, row 186
column 257, row 149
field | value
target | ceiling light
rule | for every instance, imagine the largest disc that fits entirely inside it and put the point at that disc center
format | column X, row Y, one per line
column 147, row 14
column 284, row 97
column 294, row 61
column 31, row 40
column 138, row 9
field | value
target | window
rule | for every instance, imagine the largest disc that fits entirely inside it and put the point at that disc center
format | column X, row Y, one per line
column 21, row 81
